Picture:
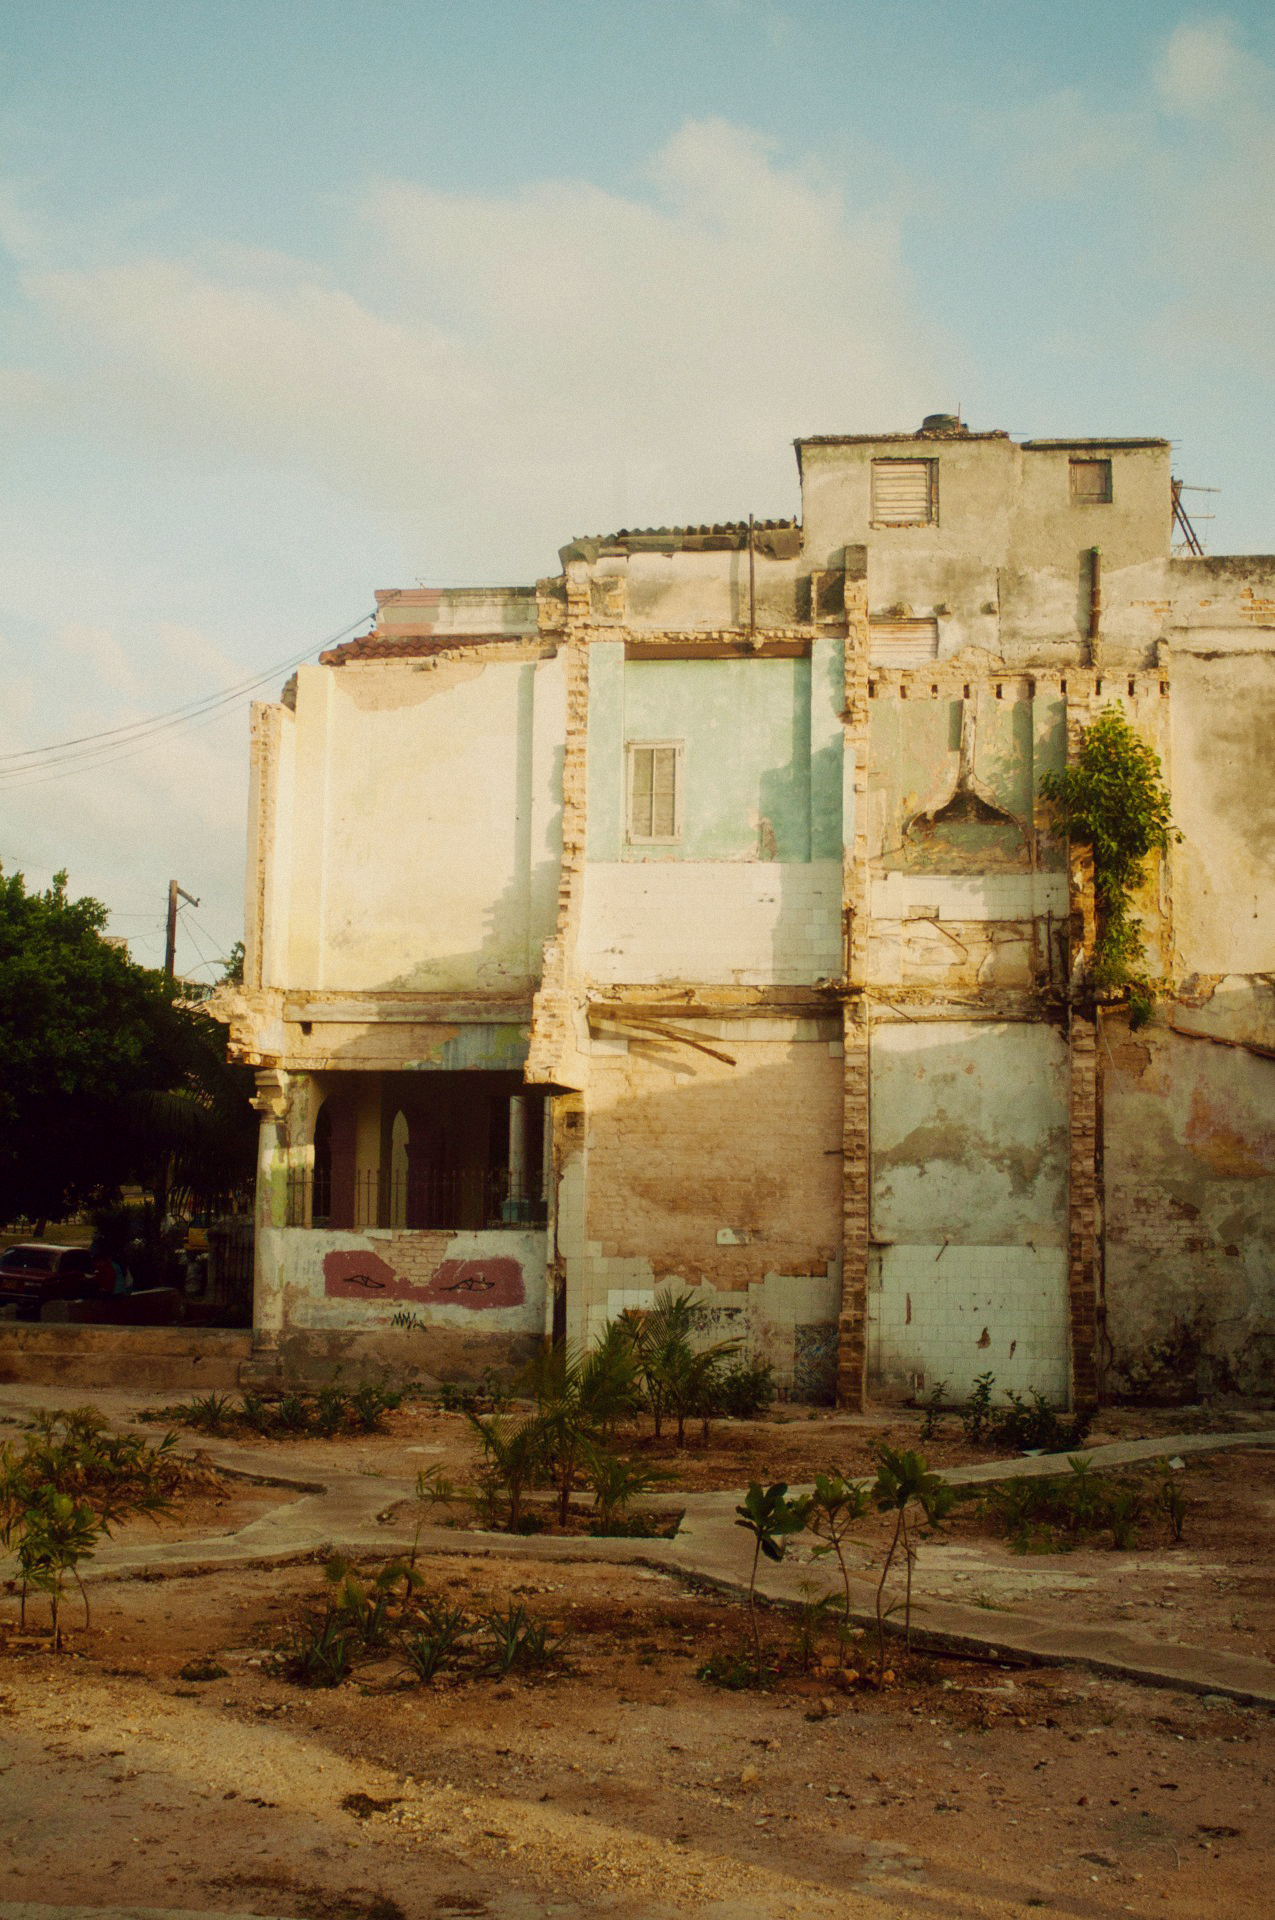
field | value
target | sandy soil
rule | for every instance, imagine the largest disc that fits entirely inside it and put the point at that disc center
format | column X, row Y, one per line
column 792, row 1444
column 224, row 1507
column 1213, row 1587
column 626, row 1786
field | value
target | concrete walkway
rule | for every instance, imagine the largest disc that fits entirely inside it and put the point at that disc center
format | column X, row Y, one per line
column 364, row 1513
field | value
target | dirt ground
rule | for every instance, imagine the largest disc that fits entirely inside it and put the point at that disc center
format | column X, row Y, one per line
column 624, row 1786
column 1213, row 1586
column 792, row 1444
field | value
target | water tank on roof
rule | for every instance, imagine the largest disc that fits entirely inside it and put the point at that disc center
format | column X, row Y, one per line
column 943, row 423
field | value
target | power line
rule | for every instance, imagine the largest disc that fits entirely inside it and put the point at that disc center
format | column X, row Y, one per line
column 37, row 777
column 111, row 743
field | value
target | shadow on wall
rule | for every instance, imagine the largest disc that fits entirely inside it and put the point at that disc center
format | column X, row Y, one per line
column 683, row 1148
column 519, row 921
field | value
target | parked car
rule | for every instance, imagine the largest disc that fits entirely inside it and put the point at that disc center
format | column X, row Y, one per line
column 36, row 1272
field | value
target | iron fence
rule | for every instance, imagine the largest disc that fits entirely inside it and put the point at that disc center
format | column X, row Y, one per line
column 473, row 1198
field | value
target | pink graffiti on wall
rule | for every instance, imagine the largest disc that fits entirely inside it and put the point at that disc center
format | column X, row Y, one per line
column 494, row 1281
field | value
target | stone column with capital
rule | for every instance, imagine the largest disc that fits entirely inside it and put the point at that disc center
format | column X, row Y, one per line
column 271, row 1210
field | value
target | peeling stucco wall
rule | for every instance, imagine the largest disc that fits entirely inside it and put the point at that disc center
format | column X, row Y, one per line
column 1189, row 1200
column 969, row 1186
column 421, row 846
column 829, row 1057
column 326, row 1295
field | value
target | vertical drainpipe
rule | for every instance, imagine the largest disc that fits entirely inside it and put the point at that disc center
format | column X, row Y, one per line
column 752, row 584
column 1095, row 595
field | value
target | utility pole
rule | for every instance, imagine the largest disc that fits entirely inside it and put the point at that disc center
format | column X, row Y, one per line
column 175, row 893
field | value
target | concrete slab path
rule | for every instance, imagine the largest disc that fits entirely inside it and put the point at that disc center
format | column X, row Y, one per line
column 364, row 1513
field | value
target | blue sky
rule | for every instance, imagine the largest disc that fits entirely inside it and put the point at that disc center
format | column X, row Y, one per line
column 297, row 301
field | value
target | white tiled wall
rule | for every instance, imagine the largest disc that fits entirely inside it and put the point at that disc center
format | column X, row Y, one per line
column 747, row 923
column 951, row 1313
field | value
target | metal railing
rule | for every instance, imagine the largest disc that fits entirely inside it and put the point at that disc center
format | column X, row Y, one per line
column 464, row 1198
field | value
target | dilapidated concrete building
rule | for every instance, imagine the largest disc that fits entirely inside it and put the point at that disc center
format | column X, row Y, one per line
column 693, row 918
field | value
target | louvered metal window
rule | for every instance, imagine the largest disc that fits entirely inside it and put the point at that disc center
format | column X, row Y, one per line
column 655, row 791
column 902, row 643
column 1091, row 482
column 904, row 493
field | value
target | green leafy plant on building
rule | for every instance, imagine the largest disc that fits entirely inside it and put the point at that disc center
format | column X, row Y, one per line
column 1113, row 799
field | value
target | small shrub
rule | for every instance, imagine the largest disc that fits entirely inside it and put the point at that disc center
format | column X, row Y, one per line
column 369, row 1406
column 256, row 1413
column 513, row 1462
column 70, row 1481
column 934, row 1410
column 977, row 1412
column 770, row 1516
column 1038, row 1426
column 319, row 1651
column 428, row 1645
column 733, row 1671
column 368, row 1605
column 812, row 1617
column 515, row 1640
column 615, row 1484
column 904, row 1480
column 332, row 1411
column 744, row 1390
column 56, row 1532
column 291, row 1414
column 836, row 1507
column 211, row 1414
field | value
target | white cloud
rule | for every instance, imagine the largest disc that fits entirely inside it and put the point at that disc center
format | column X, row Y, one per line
column 1201, row 67
column 506, row 371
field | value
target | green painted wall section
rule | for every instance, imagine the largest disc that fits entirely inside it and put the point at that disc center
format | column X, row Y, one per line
column 762, row 753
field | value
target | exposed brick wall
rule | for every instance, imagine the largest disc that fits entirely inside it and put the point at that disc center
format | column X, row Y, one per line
column 551, row 1056
column 852, row 1324
column 852, row 1328
column 1081, row 1252
column 682, row 1147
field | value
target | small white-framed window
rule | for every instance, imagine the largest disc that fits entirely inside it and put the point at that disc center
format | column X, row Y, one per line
column 1091, row 483
column 905, row 493
column 655, row 792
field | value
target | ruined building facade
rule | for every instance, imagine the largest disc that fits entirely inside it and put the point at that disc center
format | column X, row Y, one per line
column 693, row 918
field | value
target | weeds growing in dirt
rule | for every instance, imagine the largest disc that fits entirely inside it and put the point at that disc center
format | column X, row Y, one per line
column 328, row 1412
column 319, row 1650
column 1060, row 1511
column 732, row 1670
column 378, row 1611
column 1029, row 1425
column 68, row 1482
column 515, row 1640
column 428, row 1646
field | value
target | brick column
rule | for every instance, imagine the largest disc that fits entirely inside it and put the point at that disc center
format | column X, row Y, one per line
column 1082, row 1194
column 852, row 1322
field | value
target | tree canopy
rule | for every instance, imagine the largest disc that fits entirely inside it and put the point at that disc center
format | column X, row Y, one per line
column 104, row 1076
